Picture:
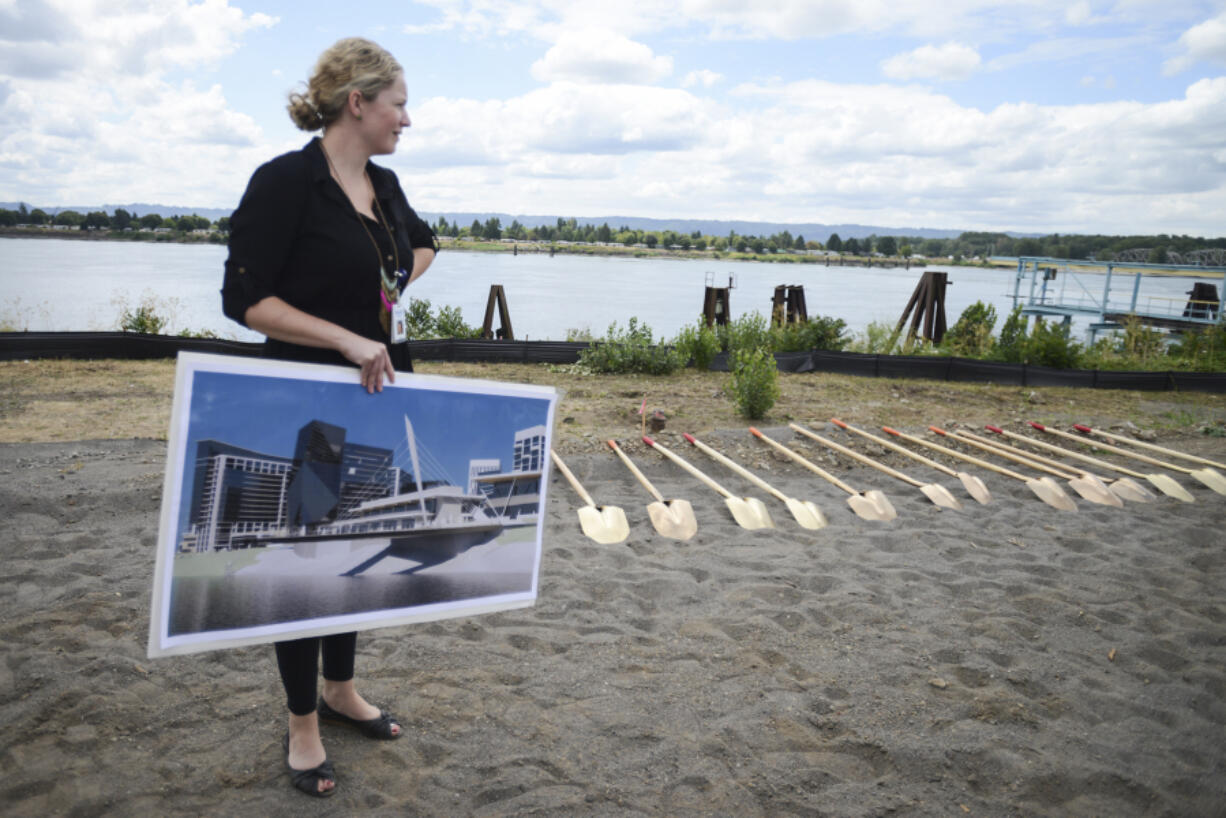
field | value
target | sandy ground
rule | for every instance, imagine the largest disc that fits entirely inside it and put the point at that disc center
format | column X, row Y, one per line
column 1008, row 659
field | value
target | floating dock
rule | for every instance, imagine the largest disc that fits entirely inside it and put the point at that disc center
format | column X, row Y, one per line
column 1051, row 287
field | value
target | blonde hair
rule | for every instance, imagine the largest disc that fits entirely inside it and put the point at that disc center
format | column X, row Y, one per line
column 351, row 64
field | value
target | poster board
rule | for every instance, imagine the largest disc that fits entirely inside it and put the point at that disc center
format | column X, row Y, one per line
column 296, row 504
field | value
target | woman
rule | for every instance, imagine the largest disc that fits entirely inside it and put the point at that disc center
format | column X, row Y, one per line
column 322, row 245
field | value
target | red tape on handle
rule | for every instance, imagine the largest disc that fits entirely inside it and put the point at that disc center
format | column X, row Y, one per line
column 648, row 441
column 890, row 431
column 838, row 423
column 1038, row 426
column 995, row 429
column 940, row 432
column 689, row 437
column 1083, row 429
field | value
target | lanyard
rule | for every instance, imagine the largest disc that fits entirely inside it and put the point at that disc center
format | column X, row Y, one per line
column 389, row 293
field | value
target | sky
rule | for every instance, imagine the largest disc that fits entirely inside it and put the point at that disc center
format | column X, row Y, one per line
column 1032, row 116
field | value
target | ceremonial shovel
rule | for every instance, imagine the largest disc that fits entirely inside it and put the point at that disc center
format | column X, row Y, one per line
column 1125, row 488
column 1044, row 488
column 748, row 512
column 937, row 494
column 1088, row 487
column 1163, row 482
column 973, row 485
column 1211, row 478
column 606, row 524
column 806, row 513
column 672, row 518
column 870, row 505
column 1121, row 439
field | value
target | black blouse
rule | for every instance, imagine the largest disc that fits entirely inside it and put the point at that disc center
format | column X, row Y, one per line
column 295, row 235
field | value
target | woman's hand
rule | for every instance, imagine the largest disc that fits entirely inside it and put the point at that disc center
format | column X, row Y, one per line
column 278, row 319
column 373, row 359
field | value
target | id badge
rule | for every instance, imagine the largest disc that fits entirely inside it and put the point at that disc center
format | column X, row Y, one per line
column 399, row 332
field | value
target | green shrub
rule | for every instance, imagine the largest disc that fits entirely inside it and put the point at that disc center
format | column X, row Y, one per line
column 755, row 381
column 419, row 322
column 450, row 324
column 750, row 331
column 143, row 318
column 631, row 351
column 818, row 332
column 1051, row 344
column 971, row 335
column 698, row 344
column 877, row 339
column 1202, row 350
column 1011, row 345
column 1142, row 342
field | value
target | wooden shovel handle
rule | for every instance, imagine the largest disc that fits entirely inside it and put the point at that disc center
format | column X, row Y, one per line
column 1125, row 452
column 813, row 467
column 1150, row 446
column 1037, row 460
column 635, row 470
column 693, row 470
column 736, row 467
column 570, row 478
column 895, row 447
column 854, row 455
column 1084, row 458
column 963, row 455
column 1001, row 450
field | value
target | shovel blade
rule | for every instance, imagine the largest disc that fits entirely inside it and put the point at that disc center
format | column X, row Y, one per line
column 975, row 488
column 807, row 514
column 1128, row 489
column 941, row 496
column 1049, row 492
column 1170, row 487
column 749, row 513
column 879, row 499
column 1211, row 478
column 606, row 524
column 866, row 508
column 1094, row 492
column 675, row 519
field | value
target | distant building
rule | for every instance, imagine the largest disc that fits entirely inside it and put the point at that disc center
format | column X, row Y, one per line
column 239, row 494
column 529, row 452
column 476, row 468
column 516, row 495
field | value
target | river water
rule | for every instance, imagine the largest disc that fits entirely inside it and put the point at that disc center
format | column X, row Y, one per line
column 63, row 285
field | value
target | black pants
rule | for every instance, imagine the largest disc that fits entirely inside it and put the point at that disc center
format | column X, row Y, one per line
column 298, row 661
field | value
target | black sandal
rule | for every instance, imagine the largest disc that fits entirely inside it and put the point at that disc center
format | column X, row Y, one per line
column 379, row 727
column 308, row 780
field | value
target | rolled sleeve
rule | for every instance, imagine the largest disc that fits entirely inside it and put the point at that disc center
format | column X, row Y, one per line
column 262, row 234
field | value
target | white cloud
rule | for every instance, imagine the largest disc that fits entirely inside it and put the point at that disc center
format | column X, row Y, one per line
column 600, row 56
column 949, row 61
column 705, row 78
column 1204, row 42
column 91, row 114
column 819, row 151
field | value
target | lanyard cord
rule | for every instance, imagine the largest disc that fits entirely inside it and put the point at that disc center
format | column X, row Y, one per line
column 389, row 283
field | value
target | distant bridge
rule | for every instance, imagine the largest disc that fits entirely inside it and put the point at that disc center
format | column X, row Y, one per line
column 1209, row 257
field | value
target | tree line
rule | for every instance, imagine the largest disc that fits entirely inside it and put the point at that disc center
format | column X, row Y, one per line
column 1161, row 248
column 121, row 220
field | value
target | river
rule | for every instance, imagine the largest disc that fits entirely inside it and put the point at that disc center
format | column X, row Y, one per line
column 63, row 285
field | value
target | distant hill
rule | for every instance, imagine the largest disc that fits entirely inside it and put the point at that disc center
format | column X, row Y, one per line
column 708, row 227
